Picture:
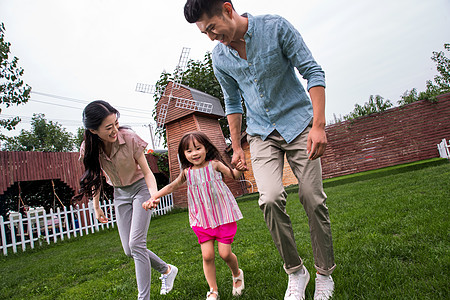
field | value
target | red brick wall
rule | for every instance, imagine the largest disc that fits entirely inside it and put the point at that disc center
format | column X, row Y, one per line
column 398, row 135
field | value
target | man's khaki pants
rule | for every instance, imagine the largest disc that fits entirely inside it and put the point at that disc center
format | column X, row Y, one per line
column 267, row 163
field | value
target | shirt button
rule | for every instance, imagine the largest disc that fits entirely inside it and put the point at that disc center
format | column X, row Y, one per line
column 261, row 95
column 249, row 64
column 273, row 124
column 256, row 80
column 267, row 109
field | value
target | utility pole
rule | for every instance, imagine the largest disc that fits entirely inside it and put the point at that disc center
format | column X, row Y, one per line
column 150, row 127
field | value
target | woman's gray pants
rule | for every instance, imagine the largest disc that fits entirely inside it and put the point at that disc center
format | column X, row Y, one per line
column 133, row 222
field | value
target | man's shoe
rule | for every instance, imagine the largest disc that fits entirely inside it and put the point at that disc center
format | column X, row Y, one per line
column 297, row 285
column 324, row 287
column 168, row 279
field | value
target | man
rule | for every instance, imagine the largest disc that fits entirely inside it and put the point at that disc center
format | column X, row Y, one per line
column 255, row 61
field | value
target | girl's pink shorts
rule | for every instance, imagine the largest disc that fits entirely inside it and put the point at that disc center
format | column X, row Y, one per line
column 223, row 233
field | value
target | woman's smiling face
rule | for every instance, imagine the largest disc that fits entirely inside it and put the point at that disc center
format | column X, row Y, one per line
column 107, row 131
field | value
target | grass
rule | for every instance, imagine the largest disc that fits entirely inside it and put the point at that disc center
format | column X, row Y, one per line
column 390, row 230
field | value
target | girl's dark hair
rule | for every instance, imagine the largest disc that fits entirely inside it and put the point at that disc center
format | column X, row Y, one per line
column 212, row 153
column 194, row 9
column 93, row 115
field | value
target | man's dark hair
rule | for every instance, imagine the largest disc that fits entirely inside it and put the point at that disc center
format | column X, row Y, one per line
column 194, row 9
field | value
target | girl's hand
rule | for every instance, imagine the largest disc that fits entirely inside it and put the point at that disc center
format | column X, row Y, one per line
column 239, row 158
column 150, row 203
column 100, row 216
column 147, row 204
column 240, row 166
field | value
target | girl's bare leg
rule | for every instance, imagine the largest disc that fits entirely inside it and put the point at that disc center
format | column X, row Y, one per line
column 230, row 258
column 209, row 267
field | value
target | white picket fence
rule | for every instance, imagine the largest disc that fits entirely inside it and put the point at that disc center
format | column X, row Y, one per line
column 444, row 149
column 39, row 227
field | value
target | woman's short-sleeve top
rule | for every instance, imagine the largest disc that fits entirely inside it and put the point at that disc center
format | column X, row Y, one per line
column 121, row 167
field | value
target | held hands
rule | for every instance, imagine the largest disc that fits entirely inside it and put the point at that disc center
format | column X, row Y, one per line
column 100, row 216
column 238, row 160
column 150, row 203
column 240, row 166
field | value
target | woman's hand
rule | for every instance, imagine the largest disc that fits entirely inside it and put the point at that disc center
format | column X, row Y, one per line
column 100, row 216
column 150, row 203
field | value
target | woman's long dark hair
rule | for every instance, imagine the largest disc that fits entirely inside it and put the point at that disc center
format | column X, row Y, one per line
column 93, row 115
column 211, row 150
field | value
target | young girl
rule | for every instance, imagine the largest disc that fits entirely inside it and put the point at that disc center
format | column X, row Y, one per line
column 119, row 154
column 213, row 211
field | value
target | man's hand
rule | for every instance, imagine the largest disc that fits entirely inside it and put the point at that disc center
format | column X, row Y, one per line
column 317, row 142
column 238, row 160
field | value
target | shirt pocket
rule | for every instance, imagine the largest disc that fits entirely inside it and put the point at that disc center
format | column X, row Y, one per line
column 267, row 63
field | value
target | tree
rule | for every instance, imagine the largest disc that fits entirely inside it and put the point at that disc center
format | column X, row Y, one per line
column 200, row 76
column 43, row 136
column 374, row 105
column 413, row 96
column 441, row 83
column 79, row 137
column 13, row 91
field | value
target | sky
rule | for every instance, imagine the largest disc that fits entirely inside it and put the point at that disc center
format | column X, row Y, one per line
column 77, row 51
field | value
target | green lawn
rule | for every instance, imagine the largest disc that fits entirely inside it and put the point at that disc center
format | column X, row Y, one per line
column 390, row 230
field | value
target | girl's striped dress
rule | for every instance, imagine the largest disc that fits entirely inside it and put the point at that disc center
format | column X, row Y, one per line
column 210, row 201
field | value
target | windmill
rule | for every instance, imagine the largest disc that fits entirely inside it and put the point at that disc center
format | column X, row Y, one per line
column 181, row 102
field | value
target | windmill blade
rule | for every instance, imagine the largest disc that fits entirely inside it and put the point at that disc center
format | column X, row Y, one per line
column 182, row 64
column 194, row 105
column 145, row 88
column 161, row 119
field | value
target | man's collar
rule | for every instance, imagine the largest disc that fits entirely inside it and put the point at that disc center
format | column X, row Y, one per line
column 251, row 24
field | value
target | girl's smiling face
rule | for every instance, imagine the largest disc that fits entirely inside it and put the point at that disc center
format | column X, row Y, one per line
column 196, row 154
column 107, row 131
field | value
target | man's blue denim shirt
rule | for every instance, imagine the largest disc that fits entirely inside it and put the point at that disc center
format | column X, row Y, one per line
column 274, row 96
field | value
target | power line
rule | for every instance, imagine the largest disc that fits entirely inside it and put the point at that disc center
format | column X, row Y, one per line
column 67, row 106
column 56, row 104
column 27, row 119
column 142, row 111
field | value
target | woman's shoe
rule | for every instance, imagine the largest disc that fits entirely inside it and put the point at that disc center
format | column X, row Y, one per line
column 210, row 293
column 237, row 291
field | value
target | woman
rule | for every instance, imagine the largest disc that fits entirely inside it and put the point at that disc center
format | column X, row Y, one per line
column 118, row 153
